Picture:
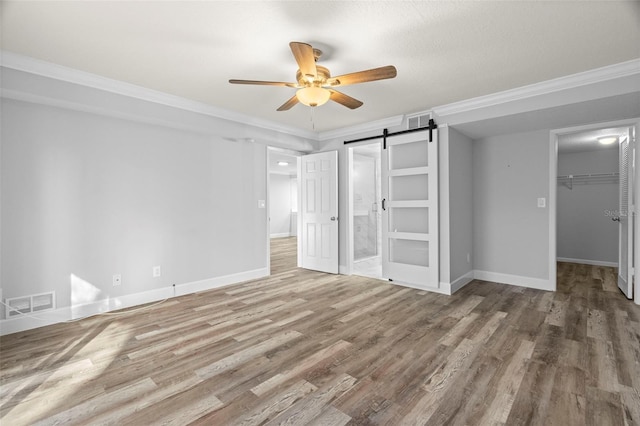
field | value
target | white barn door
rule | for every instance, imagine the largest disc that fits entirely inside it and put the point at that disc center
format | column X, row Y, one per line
column 410, row 246
column 318, row 239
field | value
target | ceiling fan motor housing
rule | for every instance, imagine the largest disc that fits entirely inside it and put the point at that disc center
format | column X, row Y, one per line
column 322, row 75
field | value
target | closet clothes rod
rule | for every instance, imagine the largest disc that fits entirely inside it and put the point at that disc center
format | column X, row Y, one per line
column 569, row 180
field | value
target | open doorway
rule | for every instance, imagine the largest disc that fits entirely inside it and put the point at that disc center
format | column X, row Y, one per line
column 594, row 199
column 283, row 202
column 365, row 172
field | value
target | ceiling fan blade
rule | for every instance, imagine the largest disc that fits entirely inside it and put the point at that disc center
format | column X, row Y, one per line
column 287, row 105
column 345, row 100
column 303, row 53
column 374, row 74
column 264, row 83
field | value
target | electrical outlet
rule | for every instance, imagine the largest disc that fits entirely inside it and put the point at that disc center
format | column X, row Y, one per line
column 156, row 271
column 117, row 279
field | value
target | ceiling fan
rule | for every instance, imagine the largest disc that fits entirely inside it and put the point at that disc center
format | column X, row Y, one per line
column 315, row 84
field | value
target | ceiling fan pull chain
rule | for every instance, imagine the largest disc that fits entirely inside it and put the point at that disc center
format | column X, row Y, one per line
column 313, row 124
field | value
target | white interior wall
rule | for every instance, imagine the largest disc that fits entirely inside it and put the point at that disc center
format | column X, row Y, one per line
column 510, row 233
column 280, row 205
column 96, row 184
column 585, row 231
column 460, row 209
column 293, row 191
column 89, row 196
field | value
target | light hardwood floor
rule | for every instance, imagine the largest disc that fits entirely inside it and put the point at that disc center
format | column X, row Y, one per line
column 302, row 347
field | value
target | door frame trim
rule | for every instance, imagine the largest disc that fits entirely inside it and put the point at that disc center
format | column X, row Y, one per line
column 553, row 178
column 270, row 150
column 350, row 244
column 350, row 227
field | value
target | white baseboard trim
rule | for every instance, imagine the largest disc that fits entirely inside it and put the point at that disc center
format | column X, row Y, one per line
column 122, row 302
column 462, row 281
column 211, row 283
column 588, row 262
column 41, row 319
column 70, row 313
column 443, row 288
column 280, row 235
column 451, row 288
column 517, row 280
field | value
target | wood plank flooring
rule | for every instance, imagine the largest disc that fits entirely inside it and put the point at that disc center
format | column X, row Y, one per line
column 303, row 347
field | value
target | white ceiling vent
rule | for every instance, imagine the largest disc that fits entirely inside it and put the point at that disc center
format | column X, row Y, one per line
column 28, row 304
column 417, row 121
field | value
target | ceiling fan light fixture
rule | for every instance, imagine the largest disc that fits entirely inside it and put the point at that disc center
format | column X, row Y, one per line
column 608, row 140
column 315, row 84
column 313, row 96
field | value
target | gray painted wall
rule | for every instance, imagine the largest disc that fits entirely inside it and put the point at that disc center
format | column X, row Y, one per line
column 585, row 231
column 460, row 204
column 510, row 233
column 91, row 195
column 279, row 204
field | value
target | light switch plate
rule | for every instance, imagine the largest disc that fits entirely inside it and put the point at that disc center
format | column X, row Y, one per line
column 542, row 202
column 261, row 204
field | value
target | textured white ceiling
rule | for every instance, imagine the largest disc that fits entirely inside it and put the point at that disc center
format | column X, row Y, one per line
column 588, row 140
column 444, row 51
column 276, row 156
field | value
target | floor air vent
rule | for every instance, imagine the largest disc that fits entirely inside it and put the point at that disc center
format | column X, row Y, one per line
column 29, row 304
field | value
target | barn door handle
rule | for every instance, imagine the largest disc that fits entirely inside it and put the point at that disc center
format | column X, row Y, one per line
column 383, row 204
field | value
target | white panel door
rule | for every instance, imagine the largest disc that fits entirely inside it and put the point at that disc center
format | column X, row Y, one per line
column 318, row 239
column 625, row 252
column 410, row 209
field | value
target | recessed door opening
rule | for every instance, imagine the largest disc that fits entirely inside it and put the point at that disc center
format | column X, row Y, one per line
column 594, row 200
column 366, row 210
column 283, row 201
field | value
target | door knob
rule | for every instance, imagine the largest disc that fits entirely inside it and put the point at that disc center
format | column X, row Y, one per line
column 333, row 218
column 615, row 219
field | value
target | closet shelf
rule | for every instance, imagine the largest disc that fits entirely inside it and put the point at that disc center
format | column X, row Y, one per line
column 585, row 179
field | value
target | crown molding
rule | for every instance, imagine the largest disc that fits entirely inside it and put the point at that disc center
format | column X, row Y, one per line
column 598, row 75
column 30, row 65
column 34, row 66
column 361, row 128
